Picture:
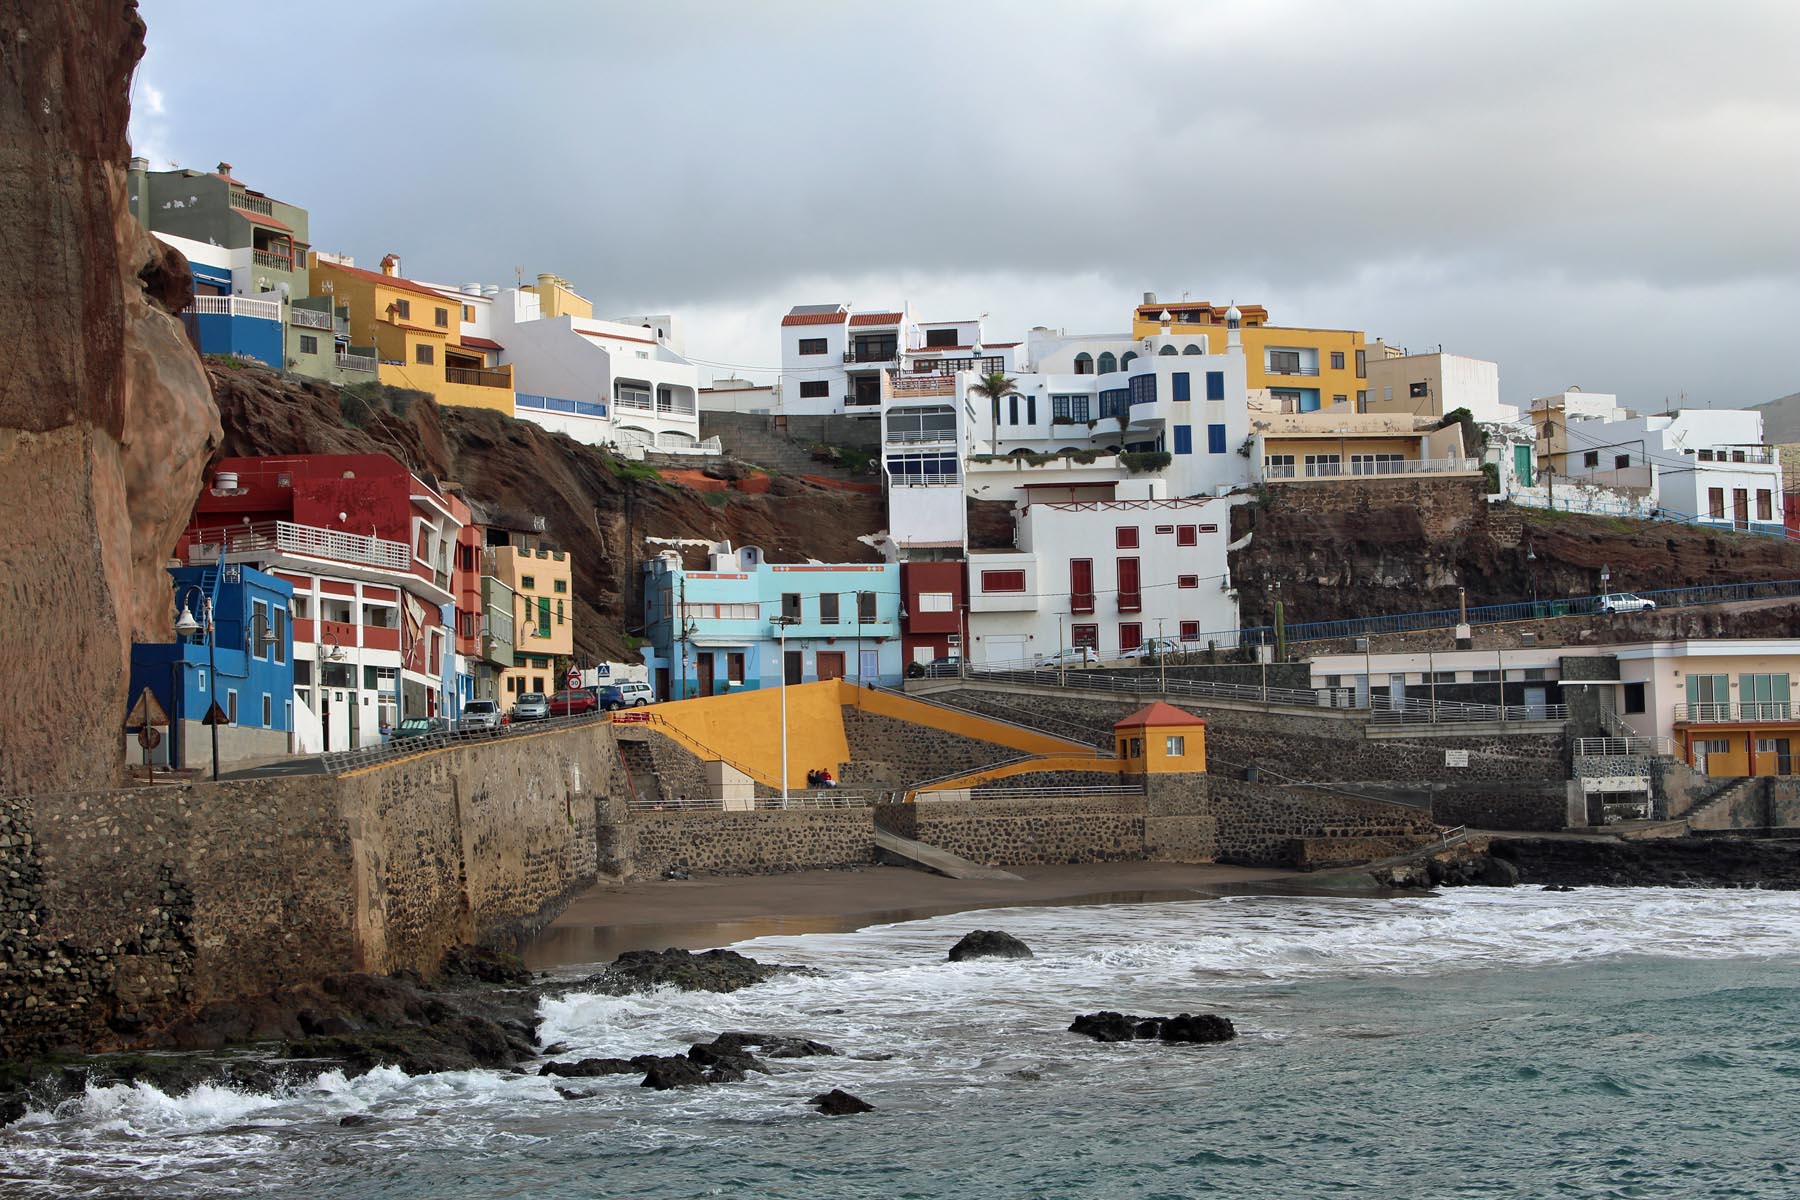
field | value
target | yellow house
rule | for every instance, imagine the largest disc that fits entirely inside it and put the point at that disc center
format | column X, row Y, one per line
column 542, row 581
column 1303, row 370
column 417, row 332
column 1333, row 444
column 1160, row 739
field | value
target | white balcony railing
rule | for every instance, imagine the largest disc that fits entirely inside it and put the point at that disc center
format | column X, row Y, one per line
column 356, row 362
column 310, row 541
column 1755, row 710
column 309, row 318
column 1360, row 470
column 238, row 306
column 898, row 436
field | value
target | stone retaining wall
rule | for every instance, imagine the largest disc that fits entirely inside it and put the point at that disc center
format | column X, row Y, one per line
column 915, row 753
column 1538, row 807
column 1259, row 822
column 749, row 843
column 1025, row 833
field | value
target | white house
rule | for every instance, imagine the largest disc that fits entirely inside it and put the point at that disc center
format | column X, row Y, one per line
column 1435, row 383
column 838, row 361
column 1708, row 465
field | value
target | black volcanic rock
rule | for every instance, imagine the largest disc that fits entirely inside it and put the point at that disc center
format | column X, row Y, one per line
column 988, row 943
column 839, row 1103
column 1184, row 1027
column 709, row 971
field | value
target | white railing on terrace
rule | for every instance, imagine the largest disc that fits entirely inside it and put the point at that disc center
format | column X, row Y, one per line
column 1624, row 747
column 238, row 306
column 930, row 479
column 308, row 318
column 923, row 385
column 980, row 792
column 1359, row 470
column 256, row 204
column 922, row 435
column 310, row 541
column 1764, row 710
column 356, row 362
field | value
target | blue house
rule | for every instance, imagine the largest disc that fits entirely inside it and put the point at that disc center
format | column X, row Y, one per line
column 248, row 670
column 719, row 630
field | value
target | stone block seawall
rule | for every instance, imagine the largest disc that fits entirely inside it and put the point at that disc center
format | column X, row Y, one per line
column 911, row 754
column 1004, row 833
column 762, row 842
column 1265, row 824
column 125, row 908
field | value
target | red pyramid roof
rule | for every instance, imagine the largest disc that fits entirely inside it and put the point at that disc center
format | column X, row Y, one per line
column 1158, row 714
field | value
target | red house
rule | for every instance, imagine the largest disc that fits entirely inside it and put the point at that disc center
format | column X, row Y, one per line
column 933, row 597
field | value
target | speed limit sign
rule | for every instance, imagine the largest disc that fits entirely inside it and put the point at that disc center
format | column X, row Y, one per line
column 574, row 678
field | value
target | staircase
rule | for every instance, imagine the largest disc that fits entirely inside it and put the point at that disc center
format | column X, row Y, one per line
column 752, row 438
column 1708, row 812
column 646, row 788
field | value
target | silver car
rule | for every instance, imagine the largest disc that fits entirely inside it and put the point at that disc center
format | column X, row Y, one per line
column 480, row 716
column 531, row 706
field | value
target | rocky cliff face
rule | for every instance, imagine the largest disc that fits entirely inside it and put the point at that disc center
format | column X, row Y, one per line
column 598, row 507
column 106, row 421
column 1355, row 549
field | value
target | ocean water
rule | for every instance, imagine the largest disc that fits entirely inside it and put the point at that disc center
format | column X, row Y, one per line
column 1482, row 1043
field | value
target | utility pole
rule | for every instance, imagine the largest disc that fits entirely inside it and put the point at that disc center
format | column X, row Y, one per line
column 682, row 635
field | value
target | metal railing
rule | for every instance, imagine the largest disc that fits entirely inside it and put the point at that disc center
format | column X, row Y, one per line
column 238, row 306
column 1364, row 470
column 356, row 362
column 924, row 479
column 1144, row 684
column 1408, row 711
column 872, row 355
column 1755, row 710
column 285, row 537
column 465, row 733
column 1625, row 747
column 478, row 377
column 921, row 796
column 1296, row 369
column 310, row 318
column 831, row 798
column 897, row 436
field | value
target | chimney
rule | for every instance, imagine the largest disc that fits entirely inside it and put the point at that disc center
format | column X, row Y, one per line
column 138, row 164
column 225, row 169
column 390, row 264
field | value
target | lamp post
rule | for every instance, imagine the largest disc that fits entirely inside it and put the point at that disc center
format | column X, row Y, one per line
column 1531, row 569
column 782, row 623
column 186, row 626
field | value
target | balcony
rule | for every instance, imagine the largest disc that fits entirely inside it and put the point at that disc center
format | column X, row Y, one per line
column 899, row 437
column 478, row 377
column 308, row 318
column 256, row 204
column 237, row 306
column 1756, row 710
column 322, row 551
column 1341, row 470
column 923, row 385
column 1290, row 369
column 1725, row 456
column 356, row 362
column 267, row 258
column 872, row 354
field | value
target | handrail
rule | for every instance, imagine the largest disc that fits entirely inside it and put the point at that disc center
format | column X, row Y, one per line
column 336, row 762
column 688, row 742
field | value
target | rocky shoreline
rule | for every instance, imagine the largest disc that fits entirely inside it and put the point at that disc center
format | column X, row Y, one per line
column 1576, row 862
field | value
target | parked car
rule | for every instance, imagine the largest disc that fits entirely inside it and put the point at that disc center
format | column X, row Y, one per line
column 1154, row 647
column 480, row 716
column 1625, row 602
column 1074, row 656
column 627, row 694
column 418, row 727
column 573, row 703
column 939, row 667
column 531, row 706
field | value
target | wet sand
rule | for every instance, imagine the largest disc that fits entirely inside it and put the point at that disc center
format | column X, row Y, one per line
column 718, row 910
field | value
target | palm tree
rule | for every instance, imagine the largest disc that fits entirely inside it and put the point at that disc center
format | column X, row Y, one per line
column 992, row 387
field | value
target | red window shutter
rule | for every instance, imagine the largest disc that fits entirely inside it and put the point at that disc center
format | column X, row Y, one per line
column 1186, row 536
column 1131, row 636
column 1130, row 596
column 1125, row 537
column 1081, row 585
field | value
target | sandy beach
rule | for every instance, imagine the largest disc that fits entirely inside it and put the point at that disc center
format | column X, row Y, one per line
column 717, row 910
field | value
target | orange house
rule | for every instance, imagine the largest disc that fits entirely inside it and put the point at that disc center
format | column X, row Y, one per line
column 1161, row 740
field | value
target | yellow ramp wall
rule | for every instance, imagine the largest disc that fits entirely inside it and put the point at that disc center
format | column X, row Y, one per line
column 949, row 720
column 1028, row 766
column 745, row 729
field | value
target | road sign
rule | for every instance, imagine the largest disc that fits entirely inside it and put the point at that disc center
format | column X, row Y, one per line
column 149, row 737
column 146, row 712
column 574, row 678
column 215, row 716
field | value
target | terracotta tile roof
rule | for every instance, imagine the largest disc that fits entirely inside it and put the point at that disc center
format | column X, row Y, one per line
column 393, row 281
column 830, row 318
column 1158, row 714
column 271, row 222
column 615, row 337
column 875, row 319
column 481, row 343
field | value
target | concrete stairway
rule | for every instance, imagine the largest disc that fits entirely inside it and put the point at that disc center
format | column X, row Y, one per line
column 641, row 769
column 751, row 438
column 891, row 847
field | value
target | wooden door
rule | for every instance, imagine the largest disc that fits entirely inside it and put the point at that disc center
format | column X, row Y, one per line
column 831, row 664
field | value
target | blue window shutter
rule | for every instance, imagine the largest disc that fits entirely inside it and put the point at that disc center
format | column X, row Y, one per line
column 1215, row 385
column 1184, row 439
column 1215, row 439
column 1181, row 386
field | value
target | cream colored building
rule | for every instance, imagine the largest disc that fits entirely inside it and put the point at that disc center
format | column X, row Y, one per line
column 542, row 581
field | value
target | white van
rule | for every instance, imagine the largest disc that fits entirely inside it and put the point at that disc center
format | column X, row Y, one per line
column 627, row 693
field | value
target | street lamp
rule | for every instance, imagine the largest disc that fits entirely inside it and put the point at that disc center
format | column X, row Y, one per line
column 186, row 626
column 782, row 623
column 1531, row 568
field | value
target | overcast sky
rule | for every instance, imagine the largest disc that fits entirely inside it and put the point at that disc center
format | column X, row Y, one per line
column 1601, row 194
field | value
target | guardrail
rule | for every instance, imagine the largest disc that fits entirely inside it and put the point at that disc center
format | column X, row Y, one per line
column 802, row 800
column 1099, row 679
column 1625, row 747
column 1754, row 710
column 1028, row 793
column 309, row 318
column 356, row 362
column 310, row 541
column 467, row 734
column 237, row 306
column 1454, row 712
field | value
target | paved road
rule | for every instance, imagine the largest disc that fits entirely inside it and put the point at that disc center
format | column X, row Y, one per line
column 310, row 765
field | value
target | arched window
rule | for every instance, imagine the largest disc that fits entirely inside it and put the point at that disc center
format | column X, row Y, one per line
column 1193, row 349
column 1108, row 364
column 1130, row 357
column 1084, row 363
column 1167, row 350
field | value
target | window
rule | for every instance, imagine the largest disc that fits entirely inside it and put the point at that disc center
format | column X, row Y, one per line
column 1174, row 745
column 200, row 677
column 1081, row 585
column 1012, row 409
column 940, row 337
column 425, row 355
column 1485, row 677
column 734, row 666
column 1324, row 465
column 1621, row 461
column 1168, row 350
column 1182, row 386
column 828, row 608
column 1441, row 677
column 1003, row 581
column 1165, row 530
column 1764, row 697
column 935, row 602
column 1190, row 631
column 268, row 721
column 543, row 617
column 1339, row 399
column 441, row 318
column 1706, row 456
column 1387, row 397
column 559, row 612
column 259, row 624
column 790, row 605
column 815, row 389
column 1125, row 537
column 1143, row 389
column 1184, row 439
column 1278, row 466
column 865, row 608
column 1215, row 439
column 1187, row 535
column 1337, row 360
column 1115, row 402
column 1591, row 459
column 812, row 345
column 1067, row 409
column 1084, row 637
column 1362, row 400
column 468, row 312
column 528, row 582
column 1376, row 464
column 1215, row 385
column 1737, row 456
column 403, row 309
column 309, row 344
column 281, row 636
column 1362, row 364
column 1108, row 364
column 1130, row 598
column 1765, row 505
column 1419, row 389
column 1715, row 501
column 560, row 586
column 1634, row 697
column 1284, row 362
column 231, row 706
column 1131, row 636
column 1187, row 581
column 1125, row 360
column 1084, row 363
column 1030, row 409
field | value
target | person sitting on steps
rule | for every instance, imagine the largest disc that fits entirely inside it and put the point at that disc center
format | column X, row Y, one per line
column 825, row 779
